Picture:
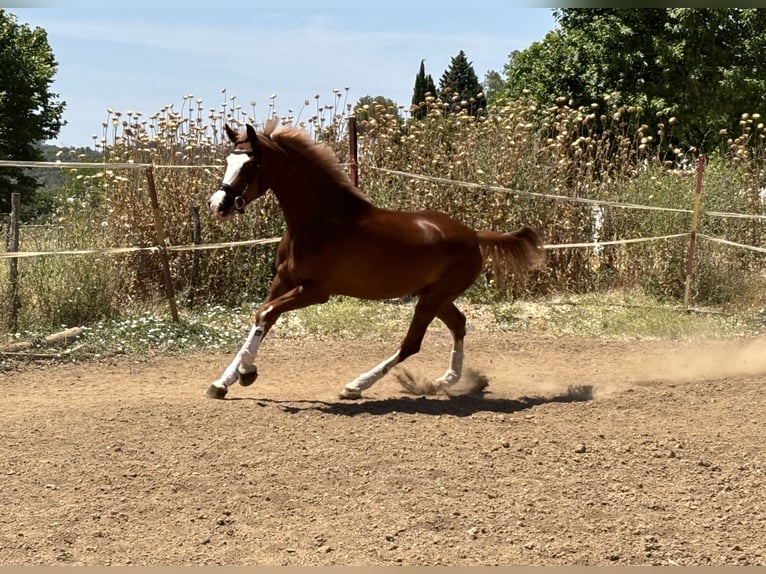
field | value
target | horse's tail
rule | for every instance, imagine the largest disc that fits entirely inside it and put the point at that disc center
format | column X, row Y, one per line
column 516, row 253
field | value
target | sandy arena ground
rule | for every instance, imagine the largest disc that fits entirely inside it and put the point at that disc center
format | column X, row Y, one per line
column 581, row 452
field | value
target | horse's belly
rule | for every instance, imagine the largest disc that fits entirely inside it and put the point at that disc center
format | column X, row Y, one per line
column 377, row 283
column 370, row 277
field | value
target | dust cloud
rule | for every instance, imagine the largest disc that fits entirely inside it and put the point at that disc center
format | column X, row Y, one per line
column 704, row 360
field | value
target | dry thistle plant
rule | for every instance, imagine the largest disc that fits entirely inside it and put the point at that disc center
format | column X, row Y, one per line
column 600, row 152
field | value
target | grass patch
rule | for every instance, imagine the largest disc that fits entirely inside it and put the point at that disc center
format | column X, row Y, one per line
column 619, row 315
column 348, row 317
column 220, row 329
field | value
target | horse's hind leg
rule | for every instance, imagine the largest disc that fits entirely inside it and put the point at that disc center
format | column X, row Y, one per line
column 451, row 316
column 353, row 390
column 425, row 312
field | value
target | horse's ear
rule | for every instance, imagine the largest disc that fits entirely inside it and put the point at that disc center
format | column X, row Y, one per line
column 251, row 136
column 230, row 132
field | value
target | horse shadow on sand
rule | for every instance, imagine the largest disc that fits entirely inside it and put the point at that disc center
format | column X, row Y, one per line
column 418, row 399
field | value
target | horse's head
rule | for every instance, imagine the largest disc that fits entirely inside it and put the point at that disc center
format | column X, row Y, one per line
column 242, row 181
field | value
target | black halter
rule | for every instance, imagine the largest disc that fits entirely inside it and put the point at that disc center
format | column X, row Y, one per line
column 237, row 196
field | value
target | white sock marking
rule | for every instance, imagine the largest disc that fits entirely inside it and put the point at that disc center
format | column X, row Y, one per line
column 366, row 380
column 243, row 361
column 455, row 370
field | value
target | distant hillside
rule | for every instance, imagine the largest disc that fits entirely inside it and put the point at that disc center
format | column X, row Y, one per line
column 55, row 178
column 50, row 152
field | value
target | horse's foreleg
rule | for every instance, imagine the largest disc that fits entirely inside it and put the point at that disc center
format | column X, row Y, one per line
column 242, row 367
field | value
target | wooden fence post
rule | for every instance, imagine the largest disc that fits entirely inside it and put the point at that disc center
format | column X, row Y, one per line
column 196, row 239
column 693, row 234
column 13, row 263
column 160, row 231
column 353, row 165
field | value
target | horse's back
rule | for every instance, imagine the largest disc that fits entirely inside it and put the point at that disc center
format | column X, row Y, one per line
column 421, row 228
column 388, row 254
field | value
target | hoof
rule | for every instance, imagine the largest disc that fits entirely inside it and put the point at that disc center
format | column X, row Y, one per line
column 214, row 392
column 247, row 379
column 351, row 394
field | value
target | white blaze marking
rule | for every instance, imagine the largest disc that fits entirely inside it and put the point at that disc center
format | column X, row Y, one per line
column 215, row 201
column 234, row 164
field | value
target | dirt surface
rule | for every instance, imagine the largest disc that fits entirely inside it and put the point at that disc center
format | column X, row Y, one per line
column 580, row 452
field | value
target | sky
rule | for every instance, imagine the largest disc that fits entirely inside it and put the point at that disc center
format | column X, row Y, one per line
column 153, row 53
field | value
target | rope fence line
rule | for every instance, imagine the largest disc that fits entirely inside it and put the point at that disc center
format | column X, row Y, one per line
column 104, row 165
column 559, row 197
column 270, row 240
column 447, row 181
column 615, row 242
column 522, row 193
column 13, row 253
column 223, row 245
column 153, row 248
column 731, row 243
column 725, row 214
column 470, row 185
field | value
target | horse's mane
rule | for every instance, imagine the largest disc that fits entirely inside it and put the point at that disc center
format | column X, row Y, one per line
column 319, row 154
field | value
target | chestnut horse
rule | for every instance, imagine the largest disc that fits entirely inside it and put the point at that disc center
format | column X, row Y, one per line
column 338, row 243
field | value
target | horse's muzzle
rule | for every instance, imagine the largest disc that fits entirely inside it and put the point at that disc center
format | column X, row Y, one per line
column 224, row 200
column 220, row 205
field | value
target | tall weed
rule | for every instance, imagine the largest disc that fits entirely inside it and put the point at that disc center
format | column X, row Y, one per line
column 510, row 154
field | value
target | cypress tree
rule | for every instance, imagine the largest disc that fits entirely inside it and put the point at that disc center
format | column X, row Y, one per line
column 424, row 85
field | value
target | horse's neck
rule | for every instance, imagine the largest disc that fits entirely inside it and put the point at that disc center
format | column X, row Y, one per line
column 308, row 200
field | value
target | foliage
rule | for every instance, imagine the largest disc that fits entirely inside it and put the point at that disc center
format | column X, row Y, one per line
column 585, row 114
column 216, row 328
column 494, row 85
column 424, row 89
column 110, row 208
column 704, row 66
column 460, row 88
column 484, row 170
column 602, row 154
column 368, row 110
column 29, row 111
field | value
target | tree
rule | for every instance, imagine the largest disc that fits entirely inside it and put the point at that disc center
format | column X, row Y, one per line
column 380, row 110
column 460, row 87
column 29, row 112
column 424, row 86
column 705, row 66
column 493, row 85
